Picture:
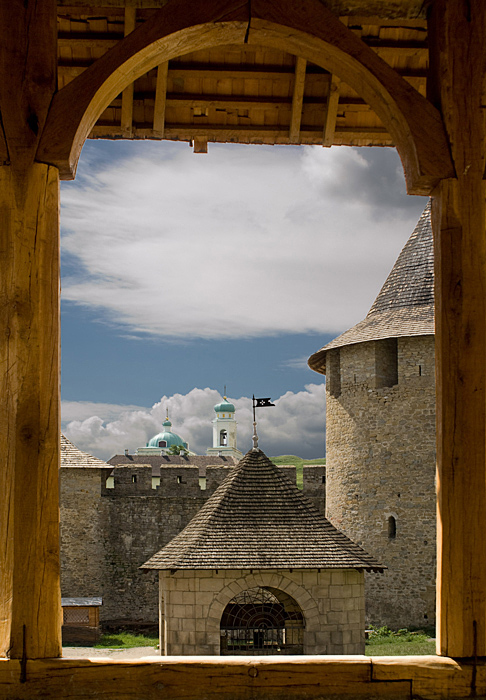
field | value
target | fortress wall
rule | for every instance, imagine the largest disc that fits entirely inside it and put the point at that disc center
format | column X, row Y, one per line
column 381, row 473
column 314, row 485
column 179, row 481
column 215, row 477
column 136, row 528
column 107, row 533
column 83, row 518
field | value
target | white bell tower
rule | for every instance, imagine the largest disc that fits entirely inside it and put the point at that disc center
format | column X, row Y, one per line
column 224, row 431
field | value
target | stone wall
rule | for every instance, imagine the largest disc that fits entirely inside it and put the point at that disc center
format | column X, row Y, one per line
column 83, row 522
column 331, row 601
column 381, row 471
column 107, row 533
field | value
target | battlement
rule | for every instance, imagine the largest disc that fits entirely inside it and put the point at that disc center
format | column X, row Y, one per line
column 191, row 481
column 115, row 517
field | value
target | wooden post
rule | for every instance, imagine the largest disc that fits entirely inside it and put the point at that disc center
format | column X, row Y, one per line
column 458, row 33
column 30, row 608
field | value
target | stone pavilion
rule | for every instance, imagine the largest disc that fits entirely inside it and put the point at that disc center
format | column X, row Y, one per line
column 258, row 571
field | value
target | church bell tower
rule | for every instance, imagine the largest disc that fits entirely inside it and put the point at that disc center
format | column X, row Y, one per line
column 224, row 431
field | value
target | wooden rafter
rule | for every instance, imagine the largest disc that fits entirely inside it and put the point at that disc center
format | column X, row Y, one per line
column 160, row 99
column 405, row 113
column 330, row 115
column 127, row 95
column 297, row 99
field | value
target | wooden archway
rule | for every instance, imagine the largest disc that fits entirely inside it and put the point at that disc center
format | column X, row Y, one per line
column 306, row 29
column 42, row 132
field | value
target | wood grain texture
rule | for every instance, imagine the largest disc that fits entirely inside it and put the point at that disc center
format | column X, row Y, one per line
column 330, row 115
column 206, row 678
column 297, row 99
column 27, row 75
column 160, row 98
column 127, row 95
column 29, row 412
column 30, row 622
column 308, row 30
column 458, row 36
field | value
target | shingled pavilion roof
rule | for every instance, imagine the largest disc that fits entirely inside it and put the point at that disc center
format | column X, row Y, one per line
column 72, row 456
column 258, row 519
column 405, row 304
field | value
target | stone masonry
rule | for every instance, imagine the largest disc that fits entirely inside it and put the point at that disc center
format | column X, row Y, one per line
column 380, row 389
column 107, row 533
column 192, row 604
column 381, row 473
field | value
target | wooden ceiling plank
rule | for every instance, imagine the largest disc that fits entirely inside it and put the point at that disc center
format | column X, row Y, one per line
column 330, row 116
column 160, row 98
column 403, row 107
column 297, row 99
column 127, row 94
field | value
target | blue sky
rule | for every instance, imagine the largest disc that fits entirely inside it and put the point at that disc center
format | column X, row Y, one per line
column 184, row 272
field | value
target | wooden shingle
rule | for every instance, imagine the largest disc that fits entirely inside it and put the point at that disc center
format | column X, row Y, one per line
column 258, row 519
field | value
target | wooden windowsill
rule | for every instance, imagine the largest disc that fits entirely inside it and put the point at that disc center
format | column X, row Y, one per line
column 238, row 678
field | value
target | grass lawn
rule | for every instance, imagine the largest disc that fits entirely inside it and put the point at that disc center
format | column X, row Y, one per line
column 125, row 640
column 384, row 642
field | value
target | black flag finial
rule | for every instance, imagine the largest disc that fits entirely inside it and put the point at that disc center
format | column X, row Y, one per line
column 258, row 403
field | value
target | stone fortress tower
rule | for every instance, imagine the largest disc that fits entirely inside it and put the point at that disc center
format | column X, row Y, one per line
column 380, row 393
column 224, row 431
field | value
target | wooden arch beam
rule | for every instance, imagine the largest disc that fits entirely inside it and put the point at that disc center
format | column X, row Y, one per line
column 306, row 29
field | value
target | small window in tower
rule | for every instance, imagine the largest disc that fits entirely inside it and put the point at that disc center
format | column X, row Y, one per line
column 333, row 372
column 386, row 362
column 223, row 438
column 134, row 478
column 179, row 479
column 392, row 528
column 162, row 443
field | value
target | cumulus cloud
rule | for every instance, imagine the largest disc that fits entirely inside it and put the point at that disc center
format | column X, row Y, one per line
column 244, row 242
column 295, row 426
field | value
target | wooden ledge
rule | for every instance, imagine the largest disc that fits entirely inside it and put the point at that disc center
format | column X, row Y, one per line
column 242, row 678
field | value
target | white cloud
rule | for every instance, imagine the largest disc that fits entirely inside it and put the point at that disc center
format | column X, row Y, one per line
column 244, row 242
column 295, row 426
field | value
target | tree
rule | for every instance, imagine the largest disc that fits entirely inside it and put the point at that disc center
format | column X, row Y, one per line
column 177, row 450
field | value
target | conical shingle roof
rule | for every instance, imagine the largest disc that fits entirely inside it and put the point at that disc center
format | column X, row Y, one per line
column 405, row 304
column 258, row 519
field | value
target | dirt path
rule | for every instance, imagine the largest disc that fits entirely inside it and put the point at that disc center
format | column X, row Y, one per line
column 91, row 652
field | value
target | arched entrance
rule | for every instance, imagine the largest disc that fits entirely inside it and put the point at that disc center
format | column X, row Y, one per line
column 262, row 621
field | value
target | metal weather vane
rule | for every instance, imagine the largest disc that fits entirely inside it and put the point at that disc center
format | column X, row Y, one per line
column 258, row 403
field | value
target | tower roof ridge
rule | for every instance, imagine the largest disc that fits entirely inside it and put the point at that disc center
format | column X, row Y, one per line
column 405, row 303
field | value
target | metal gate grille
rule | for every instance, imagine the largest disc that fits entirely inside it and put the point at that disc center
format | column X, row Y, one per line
column 262, row 622
column 76, row 616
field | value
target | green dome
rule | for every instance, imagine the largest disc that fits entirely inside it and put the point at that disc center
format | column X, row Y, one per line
column 168, row 437
column 224, row 407
column 167, row 423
